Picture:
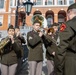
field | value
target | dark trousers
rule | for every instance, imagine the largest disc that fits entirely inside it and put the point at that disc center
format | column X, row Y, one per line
column 22, row 68
column 35, row 67
column 8, row 70
column 70, row 65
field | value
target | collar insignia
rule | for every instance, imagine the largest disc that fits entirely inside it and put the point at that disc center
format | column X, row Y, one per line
column 62, row 27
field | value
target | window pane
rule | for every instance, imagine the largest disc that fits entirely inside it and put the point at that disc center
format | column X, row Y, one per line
column 50, row 2
column 60, row 2
column 9, row 19
column 1, row 20
column 1, row 3
column 39, row 2
column 0, row 35
column 49, row 20
column 65, row 2
column 71, row 2
column 11, row 3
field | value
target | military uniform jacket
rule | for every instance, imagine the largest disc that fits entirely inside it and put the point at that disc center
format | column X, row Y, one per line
column 22, row 39
column 66, row 48
column 35, row 46
column 11, row 53
column 50, row 45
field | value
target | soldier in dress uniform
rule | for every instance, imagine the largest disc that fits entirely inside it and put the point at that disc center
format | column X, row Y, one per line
column 65, row 58
column 56, row 27
column 10, row 50
column 50, row 45
column 34, row 41
column 19, row 35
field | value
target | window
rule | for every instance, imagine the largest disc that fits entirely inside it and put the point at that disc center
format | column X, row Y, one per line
column 62, row 2
column 9, row 19
column 50, row 2
column 1, row 20
column 1, row 4
column 39, row 2
column 65, row 2
column 49, row 20
column 71, row 2
column 61, row 18
column 12, row 2
column 0, row 35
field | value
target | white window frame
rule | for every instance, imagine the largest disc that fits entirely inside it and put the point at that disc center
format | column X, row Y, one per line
column 16, row 3
column 13, row 4
column 1, row 19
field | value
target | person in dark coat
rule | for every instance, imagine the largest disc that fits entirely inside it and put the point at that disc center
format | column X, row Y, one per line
column 10, row 50
column 65, row 58
column 34, row 41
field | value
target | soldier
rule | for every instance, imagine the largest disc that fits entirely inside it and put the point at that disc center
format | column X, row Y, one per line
column 65, row 58
column 19, row 35
column 34, row 40
column 50, row 45
column 56, row 27
column 10, row 49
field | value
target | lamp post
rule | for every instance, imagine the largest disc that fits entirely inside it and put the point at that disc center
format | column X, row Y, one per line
column 16, row 18
column 28, row 7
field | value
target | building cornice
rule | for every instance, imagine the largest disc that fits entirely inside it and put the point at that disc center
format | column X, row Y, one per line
column 43, row 6
column 50, row 6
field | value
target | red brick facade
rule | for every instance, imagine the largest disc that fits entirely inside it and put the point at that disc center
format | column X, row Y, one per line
column 42, row 9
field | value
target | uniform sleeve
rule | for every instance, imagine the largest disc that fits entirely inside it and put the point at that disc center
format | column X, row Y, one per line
column 62, row 47
column 17, row 47
column 46, row 41
column 50, row 39
column 52, row 47
column 32, row 39
column 22, row 39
